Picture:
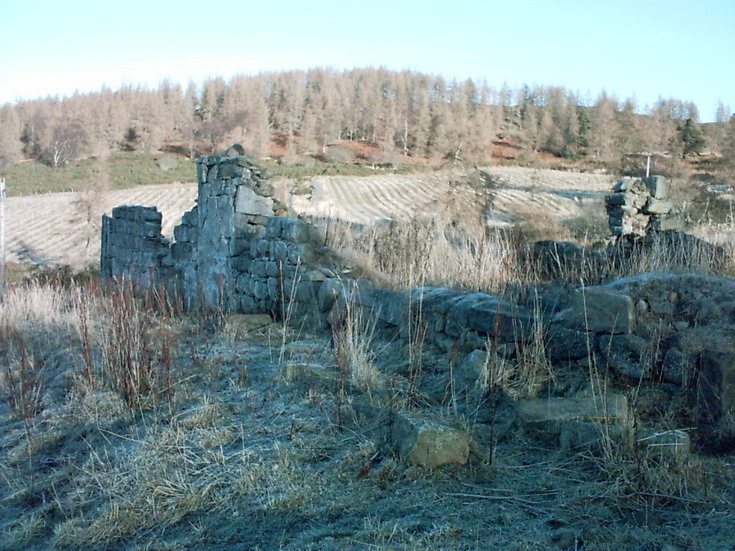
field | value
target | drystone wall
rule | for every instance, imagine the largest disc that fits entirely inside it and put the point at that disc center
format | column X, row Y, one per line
column 656, row 328
column 230, row 252
column 638, row 206
column 132, row 244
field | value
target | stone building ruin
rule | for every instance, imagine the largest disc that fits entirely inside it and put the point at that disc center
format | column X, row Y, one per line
column 638, row 206
column 230, row 252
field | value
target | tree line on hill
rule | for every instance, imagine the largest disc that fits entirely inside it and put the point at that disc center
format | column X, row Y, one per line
column 405, row 114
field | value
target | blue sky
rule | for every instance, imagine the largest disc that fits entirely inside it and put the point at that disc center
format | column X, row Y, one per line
column 644, row 49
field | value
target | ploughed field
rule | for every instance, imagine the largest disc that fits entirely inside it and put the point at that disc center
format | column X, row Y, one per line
column 63, row 228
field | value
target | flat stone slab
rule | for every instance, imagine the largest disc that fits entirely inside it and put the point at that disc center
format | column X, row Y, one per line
column 610, row 409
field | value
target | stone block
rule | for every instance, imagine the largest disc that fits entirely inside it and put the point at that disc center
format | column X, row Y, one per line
column 630, row 184
column 715, row 384
column 241, row 263
column 672, row 221
column 627, row 355
column 356, row 291
column 274, row 288
column 296, row 231
column 274, row 227
column 547, row 413
column 259, row 289
column 421, row 440
column 240, row 246
column 183, row 233
column 260, row 248
column 392, row 306
column 628, row 199
column 665, row 444
column 658, row 186
column 658, row 206
column 677, row 367
column 182, row 251
column 278, row 250
column 202, row 169
column 567, row 344
column 594, row 437
column 302, row 253
column 243, row 283
column 248, row 202
column 229, row 170
column 603, row 310
column 490, row 317
column 258, row 267
column 248, row 305
column 272, row 268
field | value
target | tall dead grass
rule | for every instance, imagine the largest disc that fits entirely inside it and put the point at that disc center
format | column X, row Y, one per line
column 465, row 254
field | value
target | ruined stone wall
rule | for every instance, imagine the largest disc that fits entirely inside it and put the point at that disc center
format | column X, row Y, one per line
column 133, row 247
column 230, row 252
column 638, row 206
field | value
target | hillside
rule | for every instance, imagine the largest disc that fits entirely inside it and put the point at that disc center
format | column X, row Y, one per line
column 63, row 228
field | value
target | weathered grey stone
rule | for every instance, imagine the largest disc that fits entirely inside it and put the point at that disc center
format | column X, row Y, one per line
column 715, row 384
column 296, row 231
column 422, row 440
column 603, row 310
column 274, row 227
column 669, row 222
column 258, row 268
column 278, row 250
column 243, row 284
column 566, row 344
column 666, row 444
column 262, row 248
column 302, row 253
column 628, row 355
column 241, row 263
column 274, row 289
column 658, row 206
column 355, row 291
column 677, row 368
column 606, row 408
column 262, row 187
column 259, row 289
column 182, row 251
column 489, row 316
column 392, row 306
column 594, row 437
column 248, row 305
column 658, row 186
column 630, row 184
column 248, row 202
column 628, row 199
column 229, row 170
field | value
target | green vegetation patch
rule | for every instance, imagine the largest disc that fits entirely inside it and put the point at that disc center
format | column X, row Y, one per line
column 120, row 171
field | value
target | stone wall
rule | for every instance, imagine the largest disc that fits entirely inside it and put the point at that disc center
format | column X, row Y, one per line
column 230, row 252
column 640, row 205
column 132, row 245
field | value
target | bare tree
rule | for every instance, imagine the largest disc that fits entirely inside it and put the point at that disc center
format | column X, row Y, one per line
column 11, row 148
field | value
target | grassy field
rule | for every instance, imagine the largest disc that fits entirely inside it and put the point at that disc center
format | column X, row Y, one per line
column 118, row 171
